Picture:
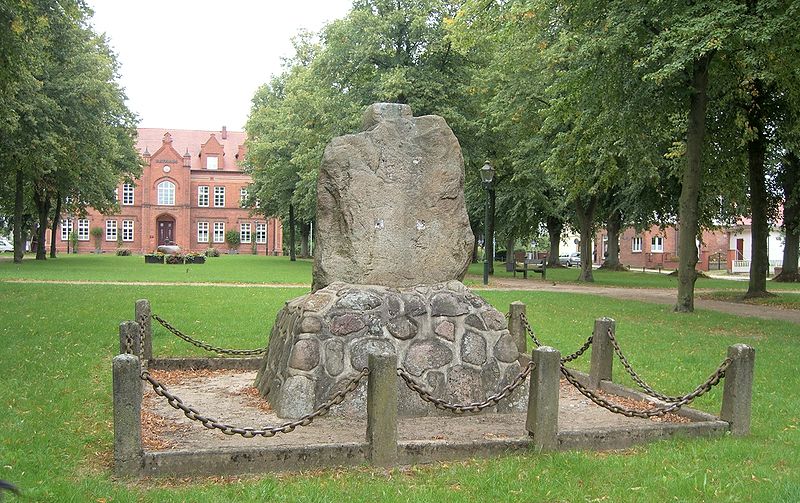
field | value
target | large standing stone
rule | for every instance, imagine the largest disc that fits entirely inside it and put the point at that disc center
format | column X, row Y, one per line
column 390, row 203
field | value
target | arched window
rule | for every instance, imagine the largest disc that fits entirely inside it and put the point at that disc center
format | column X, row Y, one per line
column 166, row 193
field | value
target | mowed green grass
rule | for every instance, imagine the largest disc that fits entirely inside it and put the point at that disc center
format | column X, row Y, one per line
column 785, row 300
column 57, row 342
column 240, row 268
column 618, row 279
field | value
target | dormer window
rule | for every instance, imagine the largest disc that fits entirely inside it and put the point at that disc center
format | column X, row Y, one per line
column 166, row 193
column 212, row 162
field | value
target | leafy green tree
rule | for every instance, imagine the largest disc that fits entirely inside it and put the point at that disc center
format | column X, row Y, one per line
column 72, row 135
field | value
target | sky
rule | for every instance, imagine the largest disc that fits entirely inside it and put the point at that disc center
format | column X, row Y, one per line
column 195, row 64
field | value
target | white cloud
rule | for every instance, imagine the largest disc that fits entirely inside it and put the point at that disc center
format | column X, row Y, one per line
column 196, row 64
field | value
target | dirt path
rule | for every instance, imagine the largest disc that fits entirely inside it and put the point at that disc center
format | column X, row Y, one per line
column 664, row 296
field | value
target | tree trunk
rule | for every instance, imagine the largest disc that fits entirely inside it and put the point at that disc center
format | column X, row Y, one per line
column 585, row 214
column 756, row 148
column 790, row 182
column 510, row 259
column 56, row 220
column 42, row 202
column 554, row 229
column 474, row 247
column 305, row 230
column 613, row 227
column 19, row 243
column 292, row 255
column 489, row 245
column 688, row 212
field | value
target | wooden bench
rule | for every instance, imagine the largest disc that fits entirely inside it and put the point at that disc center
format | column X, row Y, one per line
column 531, row 264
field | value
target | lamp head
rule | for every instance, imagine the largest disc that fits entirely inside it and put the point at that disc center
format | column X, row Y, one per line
column 487, row 173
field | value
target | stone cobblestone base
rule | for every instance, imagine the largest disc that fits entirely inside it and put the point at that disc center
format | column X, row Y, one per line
column 444, row 335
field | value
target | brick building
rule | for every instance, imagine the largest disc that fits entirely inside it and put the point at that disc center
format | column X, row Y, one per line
column 190, row 193
column 658, row 248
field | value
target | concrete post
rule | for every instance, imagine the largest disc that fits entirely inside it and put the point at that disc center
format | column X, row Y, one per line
column 127, row 415
column 602, row 352
column 517, row 327
column 738, row 391
column 143, row 318
column 382, row 409
column 542, row 421
column 129, row 330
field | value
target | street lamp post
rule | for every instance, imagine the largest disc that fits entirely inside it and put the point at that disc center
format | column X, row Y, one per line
column 487, row 175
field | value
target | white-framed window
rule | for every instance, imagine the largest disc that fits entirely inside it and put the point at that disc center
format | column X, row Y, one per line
column 127, row 230
column 202, row 195
column 111, row 230
column 261, row 233
column 219, row 232
column 83, row 229
column 212, row 162
column 166, row 193
column 657, row 244
column 116, row 194
column 636, row 244
column 219, row 197
column 66, row 228
column 245, row 235
column 242, row 196
column 127, row 194
column 202, row 232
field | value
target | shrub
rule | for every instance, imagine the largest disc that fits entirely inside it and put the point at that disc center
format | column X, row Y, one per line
column 212, row 252
column 175, row 259
column 232, row 239
column 123, row 252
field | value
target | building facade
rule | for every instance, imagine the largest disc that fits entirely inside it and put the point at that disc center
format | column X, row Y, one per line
column 726, row 249
column 190, row 193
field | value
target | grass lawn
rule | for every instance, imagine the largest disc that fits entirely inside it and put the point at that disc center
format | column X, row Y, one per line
column 623, row 279
column 57, row 341
column 785, row 300
column 107, row 267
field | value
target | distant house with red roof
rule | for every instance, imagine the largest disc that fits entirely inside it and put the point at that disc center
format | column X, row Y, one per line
column 190, row 193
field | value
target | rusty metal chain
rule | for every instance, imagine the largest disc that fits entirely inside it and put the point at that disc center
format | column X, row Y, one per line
column 709, row 383
column 249, row 432
column 574, row 356
column 472, row 406
column 625, row 363
column 142, row 320
column 206, row 346
column 577, row 354
column 529, row 329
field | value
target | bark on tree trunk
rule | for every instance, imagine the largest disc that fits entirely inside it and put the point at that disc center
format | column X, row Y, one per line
column 688, row 212
column 554, row 229
column 292, row 255
column 489, row 245
column 474, row 247
column 56, row 219
column 305, row 230
column 585, row 213
column 613, row 227
column 756, row 148
column 42, row 202
column 790, row 182
column 510, row 259
column 19, row 244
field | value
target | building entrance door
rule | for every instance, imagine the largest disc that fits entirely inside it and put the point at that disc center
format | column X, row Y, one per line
column 740, row 249
column 166, row 231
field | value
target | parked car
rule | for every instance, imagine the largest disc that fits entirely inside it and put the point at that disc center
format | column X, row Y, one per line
column 570, row 259
column 6, row 245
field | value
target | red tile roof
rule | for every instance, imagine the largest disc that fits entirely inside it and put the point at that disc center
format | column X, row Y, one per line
column 151, row 138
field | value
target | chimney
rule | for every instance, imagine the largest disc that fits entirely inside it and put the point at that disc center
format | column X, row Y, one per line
column 187, row 159
column 224, row 133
